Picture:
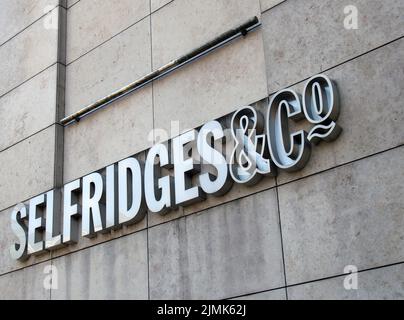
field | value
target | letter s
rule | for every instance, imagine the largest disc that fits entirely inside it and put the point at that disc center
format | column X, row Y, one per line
column 222, row 182
column 18, row 250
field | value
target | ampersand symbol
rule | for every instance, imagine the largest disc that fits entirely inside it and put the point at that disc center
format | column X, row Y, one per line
column 249, row 160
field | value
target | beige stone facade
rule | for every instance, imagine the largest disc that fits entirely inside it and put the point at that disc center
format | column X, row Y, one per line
column 288, row 237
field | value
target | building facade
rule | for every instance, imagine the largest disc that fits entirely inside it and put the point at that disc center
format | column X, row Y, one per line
column 294, row 235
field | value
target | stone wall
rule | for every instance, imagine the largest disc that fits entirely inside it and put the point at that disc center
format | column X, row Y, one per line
column 288, row 237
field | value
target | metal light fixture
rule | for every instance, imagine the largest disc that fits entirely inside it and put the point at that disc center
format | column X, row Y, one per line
column 216, row 43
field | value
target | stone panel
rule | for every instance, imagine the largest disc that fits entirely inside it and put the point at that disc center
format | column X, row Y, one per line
column 351, row 215
column 27, row 169
column 371, row 114
column 380, row 284
column 32, row 51
column 212, row 87
column 28, row 109
column 110, row 67
column 70, row 3
column 112, row 134
column 268, row 4
column 93, row 22
column 184, row 25
column 25, row 284
column 16, row 15
column 302, row 38
column 279, row 294
column 113, row 270
column 157, row 4
column 223, row 252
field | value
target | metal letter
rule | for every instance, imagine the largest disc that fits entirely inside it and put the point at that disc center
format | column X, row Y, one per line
column 159, row 190
column 185, row 193
column 93, row 212
column 53, row 237
column 71, row 212
column 18, row 250
column 220, row 183
column 250, row 157
column 289, row 151
column 321, row 107
column 131, row 199
column 36, row 225
column 112, row 197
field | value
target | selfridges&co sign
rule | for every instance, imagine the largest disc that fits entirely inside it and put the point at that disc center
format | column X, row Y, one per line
column 181, row 171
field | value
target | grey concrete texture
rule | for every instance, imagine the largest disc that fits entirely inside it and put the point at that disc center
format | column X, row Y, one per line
column 279, row 294
column 379, row 284
column 183, row 25
column 155, row 219
column 25, row 284
column 16, row 15
column 113, row 270
column 109, row 67
column 157, row 4
column 28, row 109
column 112, row 134
column 222, row 252
column 28, row 168
column 7, row 239
column 70, row 3
column 351, row 215
column 213, row 86
column 91, row 23
column 100, row 238
column 371, row 115
column 268, row 4
column 236, row 192
column 302, row 38
column 33, row 50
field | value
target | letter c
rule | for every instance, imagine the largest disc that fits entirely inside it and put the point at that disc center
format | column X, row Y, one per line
column 289, row 151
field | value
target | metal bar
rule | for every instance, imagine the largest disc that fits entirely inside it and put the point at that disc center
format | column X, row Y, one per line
column 164, row 70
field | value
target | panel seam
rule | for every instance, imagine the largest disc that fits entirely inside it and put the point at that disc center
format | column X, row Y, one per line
column 30, row 25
